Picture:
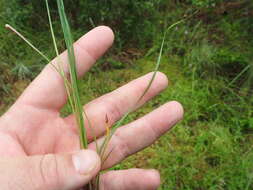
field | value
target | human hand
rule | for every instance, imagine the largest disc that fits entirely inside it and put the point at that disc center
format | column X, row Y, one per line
column 39, row 150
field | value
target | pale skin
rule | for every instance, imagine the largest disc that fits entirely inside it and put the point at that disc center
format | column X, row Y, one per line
column 39, row 149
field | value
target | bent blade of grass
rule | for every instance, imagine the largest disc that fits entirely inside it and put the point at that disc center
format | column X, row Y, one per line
column 240, row 74
column 120, row 122
column 78, row 109
column 158, row 61
column 30, row 44
column 27, row 41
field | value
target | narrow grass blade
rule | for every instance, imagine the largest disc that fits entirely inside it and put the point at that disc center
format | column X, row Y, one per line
column 52, row 29
column 27, row 41
column 91, row 129
column 120, row 122
column 240, row 74
column 158, row 60
column 58, row 59
column 78, row 110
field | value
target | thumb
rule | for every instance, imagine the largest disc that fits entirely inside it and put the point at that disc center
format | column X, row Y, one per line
column 51, row 172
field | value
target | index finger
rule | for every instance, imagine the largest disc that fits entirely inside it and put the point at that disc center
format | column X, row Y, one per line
column 47, row 91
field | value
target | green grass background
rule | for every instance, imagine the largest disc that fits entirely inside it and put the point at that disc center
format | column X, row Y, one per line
column 212, row 147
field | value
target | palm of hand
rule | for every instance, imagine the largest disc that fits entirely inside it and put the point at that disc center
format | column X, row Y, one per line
column 28, row 130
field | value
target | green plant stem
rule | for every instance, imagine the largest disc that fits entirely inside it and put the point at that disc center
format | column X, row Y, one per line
column 58, row 60
column 78, row 109
column 104, row 145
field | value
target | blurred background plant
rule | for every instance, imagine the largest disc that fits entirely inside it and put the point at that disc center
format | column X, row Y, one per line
column 208, row 60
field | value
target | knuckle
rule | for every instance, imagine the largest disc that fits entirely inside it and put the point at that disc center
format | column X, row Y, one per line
column 108, row 181
column 47, row 173
column 154, row 132
column 123, row 148
column 113, row 111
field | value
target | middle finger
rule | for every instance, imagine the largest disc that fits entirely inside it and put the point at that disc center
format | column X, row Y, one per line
column 115, row 104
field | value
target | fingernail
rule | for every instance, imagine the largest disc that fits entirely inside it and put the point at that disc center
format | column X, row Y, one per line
column 85, row 161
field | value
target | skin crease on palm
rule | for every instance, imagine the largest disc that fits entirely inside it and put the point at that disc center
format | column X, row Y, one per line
column 32, row 129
